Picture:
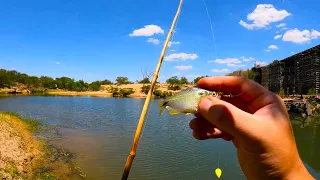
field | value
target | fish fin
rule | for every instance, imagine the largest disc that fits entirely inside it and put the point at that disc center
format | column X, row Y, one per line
column 187, row 114
column 162, row 105
column 172, row 111
column 161, row 110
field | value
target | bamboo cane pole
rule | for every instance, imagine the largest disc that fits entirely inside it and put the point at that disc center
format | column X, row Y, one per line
column 132, row 153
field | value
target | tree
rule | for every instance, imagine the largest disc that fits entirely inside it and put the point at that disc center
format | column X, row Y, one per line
column 123, row 80
column 184, row 80
column 106, row 82
column 196, row 80
column 47, row 82
column 249, row 73
column 174, row 83
column 144, row 81
column 95, row 86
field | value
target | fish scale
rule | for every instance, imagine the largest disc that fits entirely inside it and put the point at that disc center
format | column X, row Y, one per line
column 186, row 101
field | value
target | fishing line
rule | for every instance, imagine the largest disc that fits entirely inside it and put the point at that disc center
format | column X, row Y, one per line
column 213, row 37
column 218, row 171
column 174, row 32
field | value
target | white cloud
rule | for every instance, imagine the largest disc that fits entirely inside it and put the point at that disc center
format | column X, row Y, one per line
column 172, row 50
column 273, row 47
column 277, row 32
column 58, row 63
column 147, row 30
column 278, row 36
column 181, row 56
column 153, row 41
column 182, row 67
column 263, row 16
column 174, row 42
column 220, row 70
column 281, row 25
column 261, row 63
column 247, row 59
column 228, row 61
column 300, row 37
column 292, row 52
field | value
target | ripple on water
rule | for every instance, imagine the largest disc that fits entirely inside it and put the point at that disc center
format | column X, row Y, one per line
column 105, row 128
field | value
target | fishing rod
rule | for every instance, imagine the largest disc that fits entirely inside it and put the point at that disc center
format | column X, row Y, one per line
column 135, row 142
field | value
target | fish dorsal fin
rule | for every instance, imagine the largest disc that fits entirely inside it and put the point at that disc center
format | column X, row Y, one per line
column 172, row 111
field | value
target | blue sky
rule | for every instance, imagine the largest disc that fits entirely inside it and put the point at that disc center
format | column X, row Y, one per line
column 91, row 40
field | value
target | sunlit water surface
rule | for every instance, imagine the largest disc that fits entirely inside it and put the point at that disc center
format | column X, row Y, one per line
column 100, row 131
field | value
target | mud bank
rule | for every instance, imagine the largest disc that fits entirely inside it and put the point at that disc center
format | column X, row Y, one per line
column 22, row 156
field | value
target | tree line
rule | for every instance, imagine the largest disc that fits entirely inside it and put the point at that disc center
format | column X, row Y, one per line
column 10, row 78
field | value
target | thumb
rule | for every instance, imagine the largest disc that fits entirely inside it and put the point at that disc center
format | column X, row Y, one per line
column 225, row 116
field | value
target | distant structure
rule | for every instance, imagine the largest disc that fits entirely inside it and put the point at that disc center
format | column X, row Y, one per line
column 296, row 74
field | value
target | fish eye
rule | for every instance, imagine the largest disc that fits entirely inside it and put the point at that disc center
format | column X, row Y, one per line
column 213, row 93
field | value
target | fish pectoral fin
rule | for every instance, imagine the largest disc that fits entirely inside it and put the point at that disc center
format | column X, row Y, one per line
column 161, row 110
column 172, row 111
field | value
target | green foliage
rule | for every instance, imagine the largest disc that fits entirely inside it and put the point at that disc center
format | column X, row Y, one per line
column 173, row 80
column 184, row 80
column 145, row 89
column 32, row 124
column 123, row 80
column 106, row 82
column 281, row 93
column 122, row 92
column 12, row 170
column 174, row 87
column 174, row 83
column 249, row 73
column 196, row 80
column 145, row 81
column 162, row 94
column 312, row 91
column 36, row 84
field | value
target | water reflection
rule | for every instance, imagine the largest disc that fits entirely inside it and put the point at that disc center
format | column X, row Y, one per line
column 307, row 135
column 103, row 128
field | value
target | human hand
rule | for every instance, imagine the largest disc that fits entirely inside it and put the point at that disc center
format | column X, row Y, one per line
column 258, row 124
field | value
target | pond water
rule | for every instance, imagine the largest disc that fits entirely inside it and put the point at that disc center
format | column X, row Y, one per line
column 100, row 131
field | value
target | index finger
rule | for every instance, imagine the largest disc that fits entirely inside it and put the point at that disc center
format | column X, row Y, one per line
column 235, row 85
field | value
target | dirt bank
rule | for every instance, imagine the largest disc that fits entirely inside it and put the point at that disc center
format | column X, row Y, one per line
column 24, row 157
column 104, row 92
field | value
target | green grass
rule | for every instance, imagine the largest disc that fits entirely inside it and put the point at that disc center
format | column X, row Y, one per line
column 32, row 124
column 12, row 170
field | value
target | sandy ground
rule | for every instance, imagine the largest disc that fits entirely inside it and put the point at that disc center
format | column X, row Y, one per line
column 86, row 93
column 24, row 157
column 137, row 89
column 18, row 150
column 105, row 93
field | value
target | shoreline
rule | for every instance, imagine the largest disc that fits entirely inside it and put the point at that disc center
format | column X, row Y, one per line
column 23, row 156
